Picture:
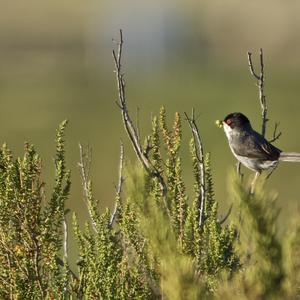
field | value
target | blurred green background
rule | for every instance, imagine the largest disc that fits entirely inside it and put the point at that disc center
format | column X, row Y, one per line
column 55, row 63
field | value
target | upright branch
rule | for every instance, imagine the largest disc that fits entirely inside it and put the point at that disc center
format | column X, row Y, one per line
column 84, row 169
column 261, row 84
column 200, row 158
column 119, row 187
column 65, row 238
column 263, row 103
column 128, row 124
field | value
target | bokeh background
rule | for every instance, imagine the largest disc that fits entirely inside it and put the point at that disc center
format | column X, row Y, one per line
column 55, row 63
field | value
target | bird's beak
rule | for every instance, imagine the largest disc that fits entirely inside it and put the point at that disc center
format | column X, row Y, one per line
column 219, row 123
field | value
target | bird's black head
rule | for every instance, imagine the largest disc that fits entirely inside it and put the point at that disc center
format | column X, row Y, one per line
column 237, row 121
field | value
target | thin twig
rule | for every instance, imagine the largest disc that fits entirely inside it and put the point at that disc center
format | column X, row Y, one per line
column 128, row 124
column 263, row 103
column 138, row 121
column 276, row 135
column 200, row 159
column 261, row 84
column 119, row 187
column 65, row 241
column 84, row 168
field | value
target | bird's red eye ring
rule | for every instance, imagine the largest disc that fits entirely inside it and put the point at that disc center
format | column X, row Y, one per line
column 229, row 121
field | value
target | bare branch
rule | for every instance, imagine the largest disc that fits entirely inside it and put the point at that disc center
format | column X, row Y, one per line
column 250, row 64
column 261, row 84
column 138, row 121
column 65, row 240
column 276, row 135
column 263, row 103
column 128, row 124
column 84, row 168
column 119, row 187
column 200, row 158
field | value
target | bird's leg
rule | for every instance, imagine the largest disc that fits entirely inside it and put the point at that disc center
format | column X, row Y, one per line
column 271, row 172
column 254, row 182
column 239, row 171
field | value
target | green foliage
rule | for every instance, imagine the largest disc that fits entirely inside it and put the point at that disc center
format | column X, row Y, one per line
column 260, row 215
column 155, row 247
column 269, row 269
column 30, row 229
column 172, row 267
column 291, row 252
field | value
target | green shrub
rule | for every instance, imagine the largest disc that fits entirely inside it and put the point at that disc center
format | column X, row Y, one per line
column 155, row 245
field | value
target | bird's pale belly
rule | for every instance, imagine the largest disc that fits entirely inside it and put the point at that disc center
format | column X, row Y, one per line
column 256, row 164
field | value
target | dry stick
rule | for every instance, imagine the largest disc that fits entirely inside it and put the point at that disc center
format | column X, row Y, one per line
column 119, row 187
column 260, row 84
column 65, row 240
column 262, row 99
column 65, row 247
column 276, row 135
column 138, row 121
column 128, row 124
column 200, row 159
column 84, row 168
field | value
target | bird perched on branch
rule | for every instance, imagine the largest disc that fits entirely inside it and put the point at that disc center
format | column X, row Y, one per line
column 251, row 148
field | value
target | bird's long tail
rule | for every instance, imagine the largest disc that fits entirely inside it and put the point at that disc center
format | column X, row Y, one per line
column 290, row 156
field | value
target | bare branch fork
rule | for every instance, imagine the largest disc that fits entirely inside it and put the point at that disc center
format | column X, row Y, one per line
column 261, row 84
column 128, row 124
column 276, row 135
column 200, row 159
column 262, row 97
column 263, row 102
column 201, row 176
column 119, row 187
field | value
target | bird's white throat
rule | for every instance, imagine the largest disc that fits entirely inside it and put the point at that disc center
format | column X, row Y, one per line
column 229, row 131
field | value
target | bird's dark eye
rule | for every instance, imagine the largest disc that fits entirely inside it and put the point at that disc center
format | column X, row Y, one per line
column 229, row 121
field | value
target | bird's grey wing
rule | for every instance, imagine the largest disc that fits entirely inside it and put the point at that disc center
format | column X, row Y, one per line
column 255, row 145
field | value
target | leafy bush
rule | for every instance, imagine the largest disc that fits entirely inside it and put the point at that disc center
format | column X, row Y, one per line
column 155, row 245
column 31, row 231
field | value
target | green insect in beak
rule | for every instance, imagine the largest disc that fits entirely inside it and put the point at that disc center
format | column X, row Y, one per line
column 219, row 123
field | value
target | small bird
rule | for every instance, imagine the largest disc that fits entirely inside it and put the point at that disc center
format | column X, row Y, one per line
column 251, row 148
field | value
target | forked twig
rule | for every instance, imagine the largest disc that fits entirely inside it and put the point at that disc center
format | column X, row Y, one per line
column 128, row 124
column 262, row 97
column 263, row 103
column 276, row 135
column 200, row 159
column 261, row 84
column 119, row 187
